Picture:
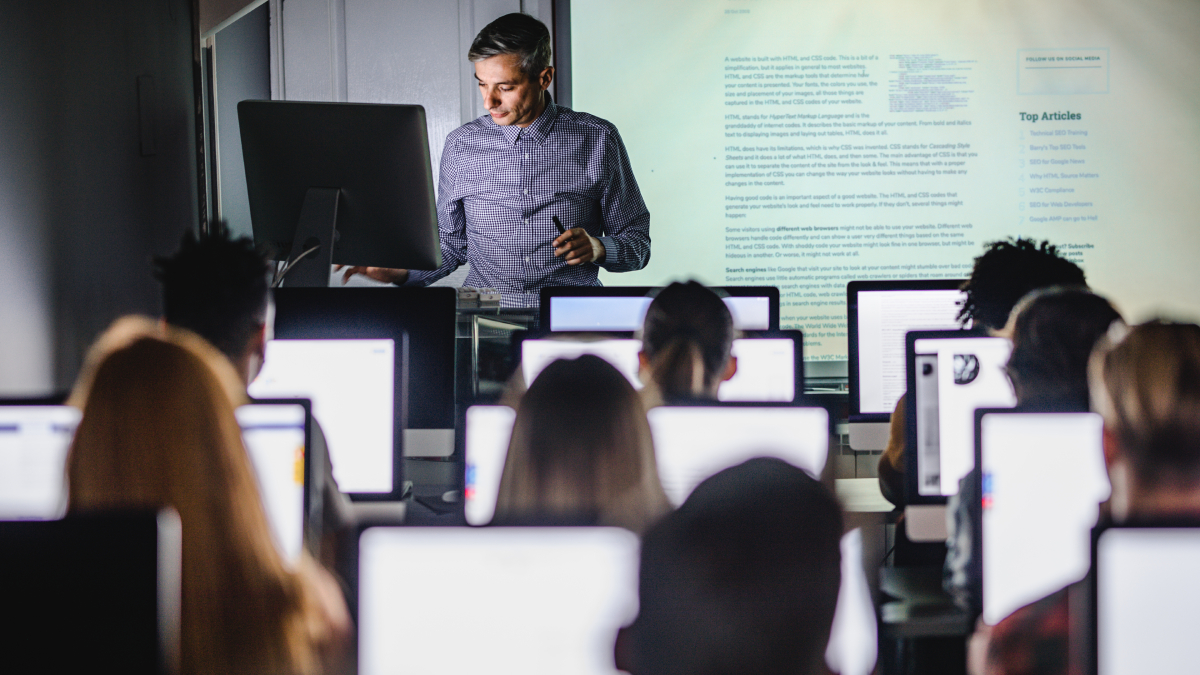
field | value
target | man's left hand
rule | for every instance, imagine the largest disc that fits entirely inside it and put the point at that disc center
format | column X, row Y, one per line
column 579, row 247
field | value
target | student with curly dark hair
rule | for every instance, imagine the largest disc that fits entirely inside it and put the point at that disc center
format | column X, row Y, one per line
column 1006, row 272
column 216, row 286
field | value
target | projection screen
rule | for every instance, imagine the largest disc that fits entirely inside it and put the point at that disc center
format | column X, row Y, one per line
column 808, row 144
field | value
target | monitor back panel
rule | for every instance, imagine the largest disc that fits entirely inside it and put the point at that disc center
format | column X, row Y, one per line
column 1042, row 480
column 692, row 443
column 376, row 154
column 622, row 308
column 770, row 366
column 1147, row 593
column 487, row 430
column 525, row 601
column 34, row 440
column 92, row 590
column 276, row 434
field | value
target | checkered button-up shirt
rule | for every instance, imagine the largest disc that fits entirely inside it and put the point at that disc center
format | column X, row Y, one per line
column 500, row 186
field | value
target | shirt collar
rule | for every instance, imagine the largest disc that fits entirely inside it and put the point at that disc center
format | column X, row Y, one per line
column 538, row 131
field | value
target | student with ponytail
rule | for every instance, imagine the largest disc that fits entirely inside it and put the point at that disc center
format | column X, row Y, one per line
column 687, row 339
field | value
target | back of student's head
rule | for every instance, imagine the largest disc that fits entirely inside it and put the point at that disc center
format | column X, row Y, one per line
column 1006, row 272
column 743, row 578
column 1147, row 387
column 158, row 430
column 217, row 288
column 1054, row 331
column 581, row 450
column 687, row 337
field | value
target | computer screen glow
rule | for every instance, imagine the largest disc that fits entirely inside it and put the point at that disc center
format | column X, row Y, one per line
column 351, row 384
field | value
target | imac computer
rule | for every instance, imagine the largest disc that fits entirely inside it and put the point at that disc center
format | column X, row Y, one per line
column 424, row 319
column 346, row 183
column 620, row 309
column 276, row 433
column 93, row 589
column 524, row 600
column 769, row 365
column 1042, row 479
column 1146, row 592
column 693, row 442
column 950, row 374
column 878, row 315
column 35, row 436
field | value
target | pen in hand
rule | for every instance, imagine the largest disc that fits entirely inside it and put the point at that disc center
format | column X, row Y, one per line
column 559, row 225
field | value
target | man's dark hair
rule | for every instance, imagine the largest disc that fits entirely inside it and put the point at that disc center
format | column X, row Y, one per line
column 1053, row 336
column 1007, row 271
column 743, row 578
column 515, row 33
column 216, row 287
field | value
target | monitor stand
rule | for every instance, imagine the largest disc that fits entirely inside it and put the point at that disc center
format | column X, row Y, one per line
column 317, row 227
column 868, row 435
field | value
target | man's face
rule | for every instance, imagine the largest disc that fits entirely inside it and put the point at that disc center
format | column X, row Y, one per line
column 508, row 94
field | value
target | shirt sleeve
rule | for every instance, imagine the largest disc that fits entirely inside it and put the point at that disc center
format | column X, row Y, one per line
column 452, row 223
column 623, row 211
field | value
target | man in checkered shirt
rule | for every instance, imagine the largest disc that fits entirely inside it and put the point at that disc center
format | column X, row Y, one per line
column 505, row 176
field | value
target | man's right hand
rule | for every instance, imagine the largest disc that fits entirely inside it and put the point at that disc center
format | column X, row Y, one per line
column 385, row 274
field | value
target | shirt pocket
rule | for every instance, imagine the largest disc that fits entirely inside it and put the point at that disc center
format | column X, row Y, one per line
column 578, row 208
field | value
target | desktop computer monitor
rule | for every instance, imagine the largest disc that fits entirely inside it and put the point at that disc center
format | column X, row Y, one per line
column 950, row 375
column 621, row 309
column 1146, row 593
column 1042, row 479
column 35, row 436
column 524, row 600
column 878, row 315
column 487, row 430
column 693, row 442
column 769, row 366
column 94, row 589
column 426, row 315
column 276, row 433
column 360, row 167
column 352, row 386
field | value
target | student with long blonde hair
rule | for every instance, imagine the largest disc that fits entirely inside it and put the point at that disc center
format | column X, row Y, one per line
column 158, row 430
column 581, row 451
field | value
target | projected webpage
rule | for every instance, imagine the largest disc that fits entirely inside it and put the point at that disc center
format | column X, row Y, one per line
column 351, row 386
column 1147, row 593
column 884, row 319
column 620, row 314
column 692, row 443
column 525, row 601
column 766, row 367
column 1043, row 481
column 954, row 377
column 274, row 437
column 807, row 144
column 34, row 441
